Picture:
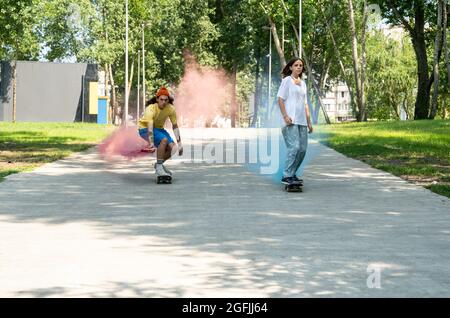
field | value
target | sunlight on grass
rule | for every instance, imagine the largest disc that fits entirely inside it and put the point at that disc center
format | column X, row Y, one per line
column 414, row 150
column 25, row 146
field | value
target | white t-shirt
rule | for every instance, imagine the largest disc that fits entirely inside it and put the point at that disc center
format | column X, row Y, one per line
column 294, row 97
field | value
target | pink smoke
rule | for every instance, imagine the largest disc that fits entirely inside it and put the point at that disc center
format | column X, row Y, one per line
column 202, row 93
column 126, row 142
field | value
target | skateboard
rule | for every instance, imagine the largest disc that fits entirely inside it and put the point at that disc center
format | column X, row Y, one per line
column 163, row 179
column 294, row 187
column 148, row 150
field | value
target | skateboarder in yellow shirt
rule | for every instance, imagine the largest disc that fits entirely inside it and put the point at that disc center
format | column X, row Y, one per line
column 151, row 128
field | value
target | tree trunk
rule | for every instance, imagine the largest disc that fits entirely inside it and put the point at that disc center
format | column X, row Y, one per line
column 294, row 48
column 363, row 63
column 106, row 90
column 14, row 78
column 356, row 71
column 314, row 108
column 109, row 77
column 276, row 40
column 257, row 92
column 437, row 55
column 324, row 75
column 447, row 62
column 233, row 96
column 317, row 109
column 423, row 93
column 444, row 108
column 317, row 90
column 395, row 107
column 421, row 107
column 115, row 111
column 322, row 82
column 405, row 108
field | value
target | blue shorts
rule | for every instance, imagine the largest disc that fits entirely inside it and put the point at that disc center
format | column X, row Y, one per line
column 158, row 135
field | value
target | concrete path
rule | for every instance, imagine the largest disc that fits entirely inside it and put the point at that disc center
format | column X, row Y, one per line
column 83, row 227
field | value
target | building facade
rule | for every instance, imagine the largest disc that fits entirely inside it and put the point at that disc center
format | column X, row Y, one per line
column 337, row 103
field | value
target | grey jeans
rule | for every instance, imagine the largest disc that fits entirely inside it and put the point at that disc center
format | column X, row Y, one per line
column 296, row 139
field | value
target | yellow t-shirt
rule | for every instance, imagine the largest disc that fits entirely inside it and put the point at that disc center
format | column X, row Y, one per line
column 153, row 114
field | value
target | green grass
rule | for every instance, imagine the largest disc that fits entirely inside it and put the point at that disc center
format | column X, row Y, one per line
column 25, row 146
column 418, row 151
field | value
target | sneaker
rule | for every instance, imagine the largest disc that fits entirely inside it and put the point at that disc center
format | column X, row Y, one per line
column 167, row 170
column 295, row 179
column 159, row 170
column 286, row 180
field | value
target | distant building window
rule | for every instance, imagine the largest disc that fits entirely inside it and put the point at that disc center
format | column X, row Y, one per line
column 342, row 94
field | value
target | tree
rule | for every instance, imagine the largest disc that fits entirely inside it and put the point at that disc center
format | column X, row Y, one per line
column 437, row 55
column 336, row 51
column 413, row 16
column 61, row 26
column 358, row 66
column 447, row 60
column 391, row 77
column 234, row 42
column 18, row 38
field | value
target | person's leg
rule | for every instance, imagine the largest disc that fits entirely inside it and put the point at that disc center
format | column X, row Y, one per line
column 164, row 153
column 290, row 135
column 168, row 152
column 160, row 157
column 164, row 143
column 161, row 143
column 169, row 145
column 162, row 150
column 302, row 146
column 167, row 155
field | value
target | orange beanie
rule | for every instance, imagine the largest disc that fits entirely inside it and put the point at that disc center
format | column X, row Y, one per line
column 162, row 91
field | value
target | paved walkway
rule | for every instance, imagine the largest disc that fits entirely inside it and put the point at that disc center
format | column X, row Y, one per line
column 82, row 227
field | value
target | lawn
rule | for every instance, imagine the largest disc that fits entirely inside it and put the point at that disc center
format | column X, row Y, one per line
column 417, row 151
column 25, row 146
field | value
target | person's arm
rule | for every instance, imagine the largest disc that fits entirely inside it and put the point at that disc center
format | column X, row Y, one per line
column 283, row 94
column 151, row 138
column 308, row 118
column 287, row 119
column 176, row 131
column 148, row 117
